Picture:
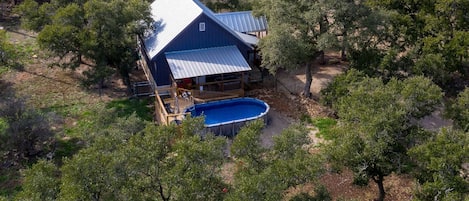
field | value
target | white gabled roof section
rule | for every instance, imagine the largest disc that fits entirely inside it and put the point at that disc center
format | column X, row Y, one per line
column 210, row 61
column 171, row 18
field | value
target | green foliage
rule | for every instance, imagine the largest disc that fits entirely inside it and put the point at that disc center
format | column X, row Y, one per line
column 159, row 162
column 264, row 174
column 126, row 107
column 197, row 166
column 232, row 5
column 325, row 125
column 102, row 31
column 440, row 163
column 96, row 121
column 458, row 110
column 375, row 126
column 41, row 182
column 246, row 146
column 281, row 49
column 26, row 133
column 298, row 33
column 89, row 174
column 427, row 38
column 340, row 86
column 365, row 59
column 8, row 54
column 3, row 126
column 66, row 148
column 34, row 16
column 321, row 194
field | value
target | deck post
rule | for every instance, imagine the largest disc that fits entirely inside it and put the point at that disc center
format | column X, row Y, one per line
column 242, row 81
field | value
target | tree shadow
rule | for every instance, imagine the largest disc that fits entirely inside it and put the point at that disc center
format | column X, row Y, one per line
column 6, row 90
column 21, row 68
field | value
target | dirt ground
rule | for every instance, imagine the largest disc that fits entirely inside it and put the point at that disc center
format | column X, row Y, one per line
column 283, row 95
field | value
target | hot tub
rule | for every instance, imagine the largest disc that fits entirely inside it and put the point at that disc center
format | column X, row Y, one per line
column 226, row 117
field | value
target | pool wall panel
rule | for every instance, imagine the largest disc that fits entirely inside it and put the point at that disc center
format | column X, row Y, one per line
column 231, row 128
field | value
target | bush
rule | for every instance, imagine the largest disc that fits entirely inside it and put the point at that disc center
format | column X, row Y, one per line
column 339, row 87
column 8, row 56
column 458, row 110
column 26, row 133
column 321, row 194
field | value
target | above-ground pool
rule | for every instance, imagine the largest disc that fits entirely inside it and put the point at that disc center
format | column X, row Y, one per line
column 226, row 117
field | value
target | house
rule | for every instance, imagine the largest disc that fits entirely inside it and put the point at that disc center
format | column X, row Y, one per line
column 188, row 40
column 189, row 47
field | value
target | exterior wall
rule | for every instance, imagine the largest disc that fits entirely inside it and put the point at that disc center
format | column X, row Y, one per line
column 191, row 38
column 161, row 71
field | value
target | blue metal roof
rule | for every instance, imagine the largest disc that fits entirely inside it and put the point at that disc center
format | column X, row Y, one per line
column 243, row 21
column 210, row 61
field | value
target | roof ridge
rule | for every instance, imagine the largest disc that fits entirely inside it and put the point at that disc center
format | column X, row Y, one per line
column 234, row 12
column 196, row 50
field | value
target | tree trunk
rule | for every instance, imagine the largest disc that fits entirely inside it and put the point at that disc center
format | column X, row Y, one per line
column 322, row 60
column 309, row 79
column 343, row 54
column 275, row 82
column 160, row 190
column 379, row 182
column 322, row 30
column 125, row 74
column 100, row 86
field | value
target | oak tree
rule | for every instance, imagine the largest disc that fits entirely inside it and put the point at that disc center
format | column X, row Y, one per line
column 375, row 127
column 440, row 166
column 101, row 31
column 266, row 173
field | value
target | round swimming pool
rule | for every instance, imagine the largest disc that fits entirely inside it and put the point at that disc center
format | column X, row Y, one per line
column 227, row 116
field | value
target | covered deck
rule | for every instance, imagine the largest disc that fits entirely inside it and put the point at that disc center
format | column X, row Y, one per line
column 198, row 76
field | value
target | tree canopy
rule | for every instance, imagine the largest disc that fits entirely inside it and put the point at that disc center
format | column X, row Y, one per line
column 300, row 31
column 266, row 173
column 376, row 126
column 102, row 31
column 427, row 38
column 440, row 166
column 458, row 110
column 158, row 162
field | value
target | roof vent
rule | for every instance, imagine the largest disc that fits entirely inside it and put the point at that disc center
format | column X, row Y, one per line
column 202, row 26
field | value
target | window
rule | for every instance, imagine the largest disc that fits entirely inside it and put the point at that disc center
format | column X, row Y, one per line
column 202, row 26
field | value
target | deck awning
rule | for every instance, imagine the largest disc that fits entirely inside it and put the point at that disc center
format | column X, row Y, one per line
column 251, row 40
column 210, row 61
column 243, row 21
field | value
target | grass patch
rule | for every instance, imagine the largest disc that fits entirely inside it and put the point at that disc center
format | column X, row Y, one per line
column 126, row 107
column 324, row 126
column 4, row 69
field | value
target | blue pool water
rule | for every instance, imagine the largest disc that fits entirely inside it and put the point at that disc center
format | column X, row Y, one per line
column 230, row 111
